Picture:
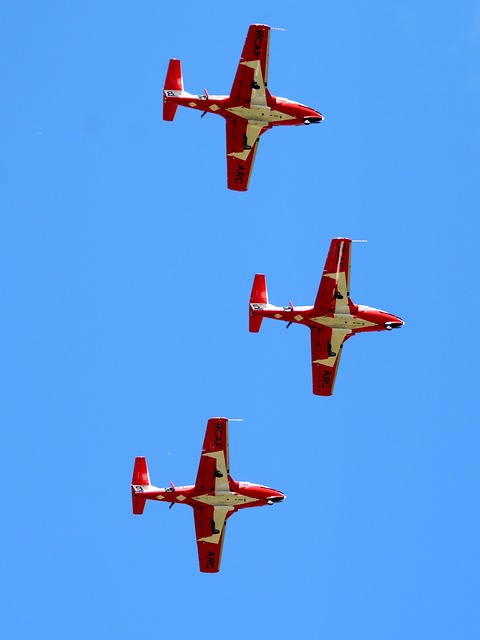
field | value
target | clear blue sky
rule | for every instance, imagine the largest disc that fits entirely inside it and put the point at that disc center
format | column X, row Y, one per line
column 126, row 271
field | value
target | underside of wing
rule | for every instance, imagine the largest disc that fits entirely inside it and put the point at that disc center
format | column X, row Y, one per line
column 214, row 465
column 242, row 142
column 210, row 532
column 334, row 289
column 327, row 347
column 250, row 82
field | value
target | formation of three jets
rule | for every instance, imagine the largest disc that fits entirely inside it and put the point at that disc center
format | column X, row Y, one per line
column 249, row 111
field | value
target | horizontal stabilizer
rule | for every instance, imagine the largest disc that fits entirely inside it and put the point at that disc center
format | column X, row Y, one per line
column 258, row 298
column 254, row 322
column 259, row 293
column 140, row 472
column 140, row 479
column 169, row 111
column 173, row 86
column 138, row 504
column 174, row 78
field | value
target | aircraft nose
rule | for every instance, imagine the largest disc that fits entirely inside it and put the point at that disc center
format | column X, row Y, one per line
column 395, row 323
column 277, row 497
column 315, row 118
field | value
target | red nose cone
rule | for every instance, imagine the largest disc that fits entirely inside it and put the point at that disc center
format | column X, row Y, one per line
column 276, row 496
column 310, row 116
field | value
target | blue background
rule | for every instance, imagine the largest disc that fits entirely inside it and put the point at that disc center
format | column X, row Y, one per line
column 126, row 271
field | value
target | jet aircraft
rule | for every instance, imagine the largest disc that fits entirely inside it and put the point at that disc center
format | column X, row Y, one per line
column 333, row 318
column 249, row 110
column 215, row 496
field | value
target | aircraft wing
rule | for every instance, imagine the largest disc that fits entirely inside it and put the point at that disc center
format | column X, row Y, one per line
column 251, row 78
column 242, row 142
column 213, row 468
column 327, row 347
column 334, row 288
column 210, row 524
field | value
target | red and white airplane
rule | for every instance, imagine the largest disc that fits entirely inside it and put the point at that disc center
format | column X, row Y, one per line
column 249, row 110
column 215, row 496
column 333, row 318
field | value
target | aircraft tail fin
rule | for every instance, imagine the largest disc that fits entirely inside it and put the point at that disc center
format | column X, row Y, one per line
column 258, row 300
column 140, row 480
column 173, row 87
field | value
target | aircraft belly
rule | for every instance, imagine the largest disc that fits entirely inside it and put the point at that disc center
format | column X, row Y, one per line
column 260, row 114
column 227, row 499
column 343, row 322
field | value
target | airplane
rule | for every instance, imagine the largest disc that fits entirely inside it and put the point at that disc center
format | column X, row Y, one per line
column 215, row 496
column 249, row 110
column 332, row 320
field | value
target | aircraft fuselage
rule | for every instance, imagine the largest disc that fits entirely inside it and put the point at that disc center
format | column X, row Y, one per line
column 272, row 111
column 240, row 495
column 353, row 318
